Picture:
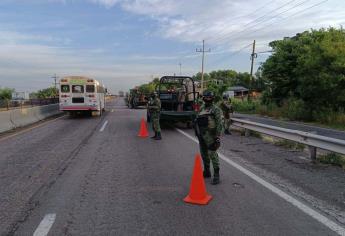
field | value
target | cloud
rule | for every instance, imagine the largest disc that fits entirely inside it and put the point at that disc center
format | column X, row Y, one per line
column 28, row 67
column 234, row 23
column 106, row 3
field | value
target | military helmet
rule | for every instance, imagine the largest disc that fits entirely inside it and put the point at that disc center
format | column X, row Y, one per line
column 208, row 96
column 208, row 93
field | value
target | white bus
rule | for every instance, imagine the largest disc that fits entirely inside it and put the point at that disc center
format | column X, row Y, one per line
column 81, row 94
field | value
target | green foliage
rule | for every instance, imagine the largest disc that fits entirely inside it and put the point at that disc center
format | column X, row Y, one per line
column 309, row 67
column 245, row 106
column 149, row 87
column 333, row 159
column 6, row 93
column 294, row 109
column 290, row 144
column 46, row 93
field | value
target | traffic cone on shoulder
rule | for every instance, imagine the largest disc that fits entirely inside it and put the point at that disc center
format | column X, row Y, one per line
column 197, row 193
column 143, row 133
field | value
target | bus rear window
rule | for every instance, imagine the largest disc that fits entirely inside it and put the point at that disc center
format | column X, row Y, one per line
column 65, row 88
column 77, row 88
column 90, row 88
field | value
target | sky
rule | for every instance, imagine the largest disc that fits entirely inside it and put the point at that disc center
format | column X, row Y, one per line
column 124, row 43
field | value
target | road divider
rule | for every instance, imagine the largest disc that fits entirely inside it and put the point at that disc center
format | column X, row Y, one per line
column 25, row 116
column 6, row 121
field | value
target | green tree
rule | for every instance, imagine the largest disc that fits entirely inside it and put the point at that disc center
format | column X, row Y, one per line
column 309, row 66
column 197, row 77
column 6, row 93
column 47, row 93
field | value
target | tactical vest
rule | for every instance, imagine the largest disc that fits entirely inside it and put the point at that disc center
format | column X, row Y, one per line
column 206, row 119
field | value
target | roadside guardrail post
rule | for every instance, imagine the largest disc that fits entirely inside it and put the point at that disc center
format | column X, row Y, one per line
column 312, row 151
column 246, row 132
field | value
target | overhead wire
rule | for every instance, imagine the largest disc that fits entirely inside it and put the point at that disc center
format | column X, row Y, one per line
column 234, row 34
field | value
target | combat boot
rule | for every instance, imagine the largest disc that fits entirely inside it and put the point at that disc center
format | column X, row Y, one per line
column 159, row 136
column 215, row 179
column 155, row 136
column 207, row 173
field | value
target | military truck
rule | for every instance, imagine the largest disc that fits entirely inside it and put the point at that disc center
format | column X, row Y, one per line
column 178, row 99
column 136, row 98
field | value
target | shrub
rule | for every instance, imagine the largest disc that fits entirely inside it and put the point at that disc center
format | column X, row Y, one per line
column 245, row 106
column 333, row 159
column 294, row 109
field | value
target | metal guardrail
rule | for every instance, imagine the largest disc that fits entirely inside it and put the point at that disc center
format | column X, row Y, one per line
column 312, row 140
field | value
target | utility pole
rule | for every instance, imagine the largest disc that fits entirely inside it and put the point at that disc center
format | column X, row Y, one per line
column 180, row 64
column 55, row 77
column 252, row 58
column 202, row 63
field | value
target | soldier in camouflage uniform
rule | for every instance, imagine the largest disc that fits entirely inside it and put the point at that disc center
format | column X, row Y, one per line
column 208, row 128
column 227, row 109
column 154, row 107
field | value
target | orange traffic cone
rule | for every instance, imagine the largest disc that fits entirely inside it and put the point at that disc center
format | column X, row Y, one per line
column 197, row 193
column 143, row 133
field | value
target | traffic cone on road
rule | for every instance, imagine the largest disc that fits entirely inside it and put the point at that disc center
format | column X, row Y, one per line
column 143, row 133
column 197, row 193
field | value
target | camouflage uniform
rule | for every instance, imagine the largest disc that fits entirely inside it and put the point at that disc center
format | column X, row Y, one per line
column 227, row 109
column 209, row 132
column 154, row 107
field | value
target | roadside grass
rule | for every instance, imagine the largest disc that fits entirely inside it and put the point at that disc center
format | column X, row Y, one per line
column 255, row 134
column 289, row 144
column 332, row 159
column 292, row 111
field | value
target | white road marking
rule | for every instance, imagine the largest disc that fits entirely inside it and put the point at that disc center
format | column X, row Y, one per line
column 45, row 225
column 103, row 126
column 306, row 209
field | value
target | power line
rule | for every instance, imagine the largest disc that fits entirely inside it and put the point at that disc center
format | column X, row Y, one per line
column 232, row 54
column 274, row 10
column 264, row 20
column 238, row 17
column 301, row 11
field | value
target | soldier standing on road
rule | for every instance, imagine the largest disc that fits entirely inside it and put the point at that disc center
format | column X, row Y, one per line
column 154, row 107
column 227, row 109
column 208, row 128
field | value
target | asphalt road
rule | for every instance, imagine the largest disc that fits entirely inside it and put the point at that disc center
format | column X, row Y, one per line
column 94, row 176
column 294, row 125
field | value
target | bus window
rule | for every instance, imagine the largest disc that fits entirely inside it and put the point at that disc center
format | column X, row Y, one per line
column 77, row 88
column 65, row 88
column 90, row 88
